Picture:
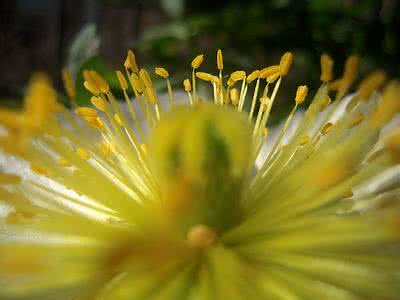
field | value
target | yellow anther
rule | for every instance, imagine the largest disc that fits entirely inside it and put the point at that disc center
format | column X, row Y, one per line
column 357, row 120
column 207, row 77
column 234, row 95
column 99, row 82
column 130, row 62
column 83, row 153
column 137, row 84
column 238, row 75
column 9, row 179
column 230, row 82
column 326, row 68
column 63, row 162
column 69, row 84
column 327, row 127
column 38, row 169
column 350, row 69
column 144, row 75
column 392, row 144
column 117, row 119
column 91, row 88
column 305, row 139
column 301, row 94
column 220, row 60
column 371, row 83
column 285, row 63
column 86, row 112
column 99, row 103
column 40, row 102
column 197, row 61
column 253, row 76
column 272, row 78
column 388, row 106
column 325, row 102
column 187, row 85
column 122, row 81
column 161, row 72
column 201, row 236
column 268, row 71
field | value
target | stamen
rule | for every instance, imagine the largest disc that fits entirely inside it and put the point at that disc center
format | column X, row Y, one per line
column 370, row 84
column 196, row 62
column 99, row 103
column 238, row 75
column 220, row 60
column 161, row 72
column 188, row 87
column 268, row 71
column 164, row 74
column 388, row 106
column 234, row 95
column 130, row 62
column 207, row 77
column 301, row 94
column 326, row 68
column 69, row 85
column 122, row 81
column 285, row 63
column 86, row 112
column 253, row 76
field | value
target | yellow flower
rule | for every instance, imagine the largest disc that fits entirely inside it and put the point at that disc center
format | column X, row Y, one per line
column 200, row 200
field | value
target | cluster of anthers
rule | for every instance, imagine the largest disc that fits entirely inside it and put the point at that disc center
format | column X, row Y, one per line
column 189, row 199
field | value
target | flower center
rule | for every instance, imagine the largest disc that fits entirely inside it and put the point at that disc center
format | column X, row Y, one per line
column 201, row 159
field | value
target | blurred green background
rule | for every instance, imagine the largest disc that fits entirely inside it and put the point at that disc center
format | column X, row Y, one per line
column 49, row 34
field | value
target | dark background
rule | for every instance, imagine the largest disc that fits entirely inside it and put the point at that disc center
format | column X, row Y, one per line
column 38, row 34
